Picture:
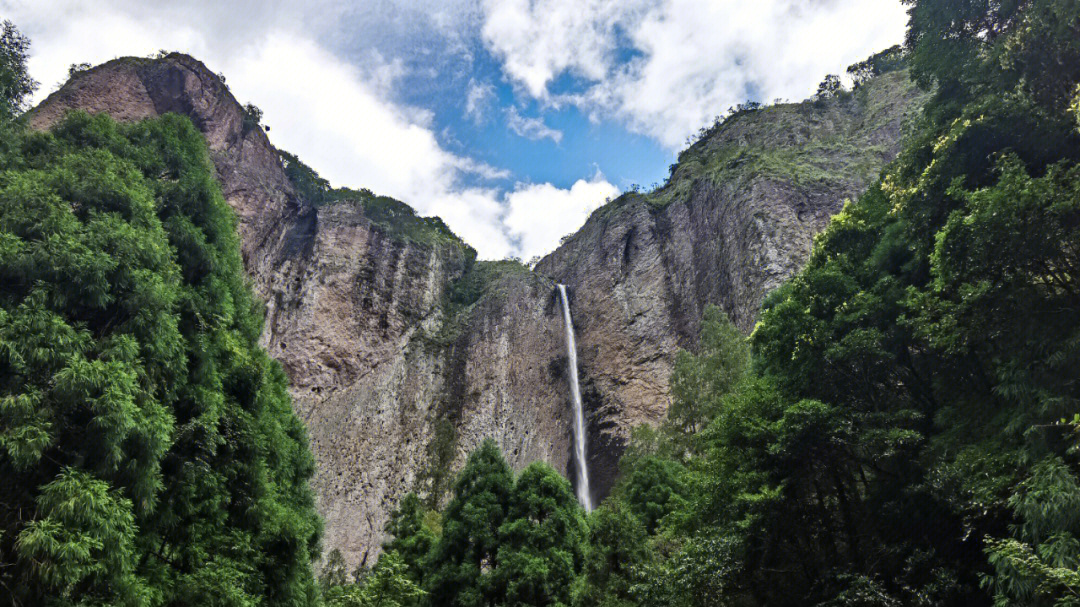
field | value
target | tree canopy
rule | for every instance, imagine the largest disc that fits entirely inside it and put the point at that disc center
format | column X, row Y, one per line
column 148, row 449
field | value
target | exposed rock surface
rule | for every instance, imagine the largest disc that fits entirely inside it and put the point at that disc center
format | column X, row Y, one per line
column 736, row 219
column 398, row 377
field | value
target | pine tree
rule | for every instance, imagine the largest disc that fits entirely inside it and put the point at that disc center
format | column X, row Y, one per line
column 464, row 558
column 541, row 542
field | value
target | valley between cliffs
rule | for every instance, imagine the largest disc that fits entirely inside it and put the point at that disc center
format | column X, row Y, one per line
column 404, row 352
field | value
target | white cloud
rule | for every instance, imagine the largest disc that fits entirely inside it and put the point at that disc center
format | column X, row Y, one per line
column 689, row 60
column 539, row 39
column 478, row 100
column 661, row 67
column 531, row 128
column 335, row 115
column 539, row 214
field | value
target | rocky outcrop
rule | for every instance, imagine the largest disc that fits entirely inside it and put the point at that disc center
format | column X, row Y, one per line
column 735, row 220
column 247, row 165
column 398, row 375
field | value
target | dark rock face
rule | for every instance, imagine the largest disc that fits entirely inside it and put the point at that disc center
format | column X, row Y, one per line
column 396, row 390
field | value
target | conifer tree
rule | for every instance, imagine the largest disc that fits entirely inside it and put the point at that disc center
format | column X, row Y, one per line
column 412, row 537
column 466, row 555
column 541, row 542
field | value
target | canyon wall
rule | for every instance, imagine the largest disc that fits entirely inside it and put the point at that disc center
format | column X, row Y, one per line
column 404, row 352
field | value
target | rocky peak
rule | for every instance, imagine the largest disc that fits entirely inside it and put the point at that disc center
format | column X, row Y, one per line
column 248, row 167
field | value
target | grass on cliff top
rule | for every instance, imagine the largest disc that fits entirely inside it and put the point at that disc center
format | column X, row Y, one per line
column 761, row 142
column 480, row 279
column 756, row 141
column 397, row 219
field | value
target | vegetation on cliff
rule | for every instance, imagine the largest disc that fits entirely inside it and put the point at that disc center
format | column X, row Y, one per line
column 396, row 218
column 148, row 449
column 813, row 144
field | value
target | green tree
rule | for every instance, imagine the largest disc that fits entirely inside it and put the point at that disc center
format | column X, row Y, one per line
column 981, row 47
column 463, row 560
column 16, row 85
column 617, row 550
column 652, row 488
column 699, row 382
column 1041, row 564
column 829, row 88
column 412, row 535
column 888, row 60
column 387, row 585
column 129, row 366
column 541, row 541
column 82, row 545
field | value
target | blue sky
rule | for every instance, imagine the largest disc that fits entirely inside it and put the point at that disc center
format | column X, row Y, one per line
column 511, row 119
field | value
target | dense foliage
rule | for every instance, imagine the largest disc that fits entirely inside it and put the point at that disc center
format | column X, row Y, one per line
column 500, row 540
column 148, row 450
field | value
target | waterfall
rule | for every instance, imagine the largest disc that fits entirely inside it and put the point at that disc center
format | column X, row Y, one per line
column 579, row 415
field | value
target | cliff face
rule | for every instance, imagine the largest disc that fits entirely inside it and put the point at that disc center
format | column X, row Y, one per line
column 404, row 353
column 736, row 219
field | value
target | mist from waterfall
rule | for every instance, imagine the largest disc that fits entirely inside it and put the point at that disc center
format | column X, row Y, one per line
column 579, row 415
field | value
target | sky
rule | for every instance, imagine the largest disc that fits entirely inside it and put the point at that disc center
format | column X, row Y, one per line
column 510, row 119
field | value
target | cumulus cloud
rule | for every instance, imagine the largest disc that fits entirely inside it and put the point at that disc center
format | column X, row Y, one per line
column 541, row 213
column 666, row 67
column 338, row 116
column 531, row 128
column 539, row 39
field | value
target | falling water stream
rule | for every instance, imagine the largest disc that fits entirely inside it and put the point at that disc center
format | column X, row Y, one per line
column 579, row 415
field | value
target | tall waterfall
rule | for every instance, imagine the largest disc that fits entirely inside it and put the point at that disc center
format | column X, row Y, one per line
column 579, row 415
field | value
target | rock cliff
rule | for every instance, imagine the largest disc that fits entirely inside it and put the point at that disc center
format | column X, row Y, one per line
column 736, row 219
column 404, row 352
